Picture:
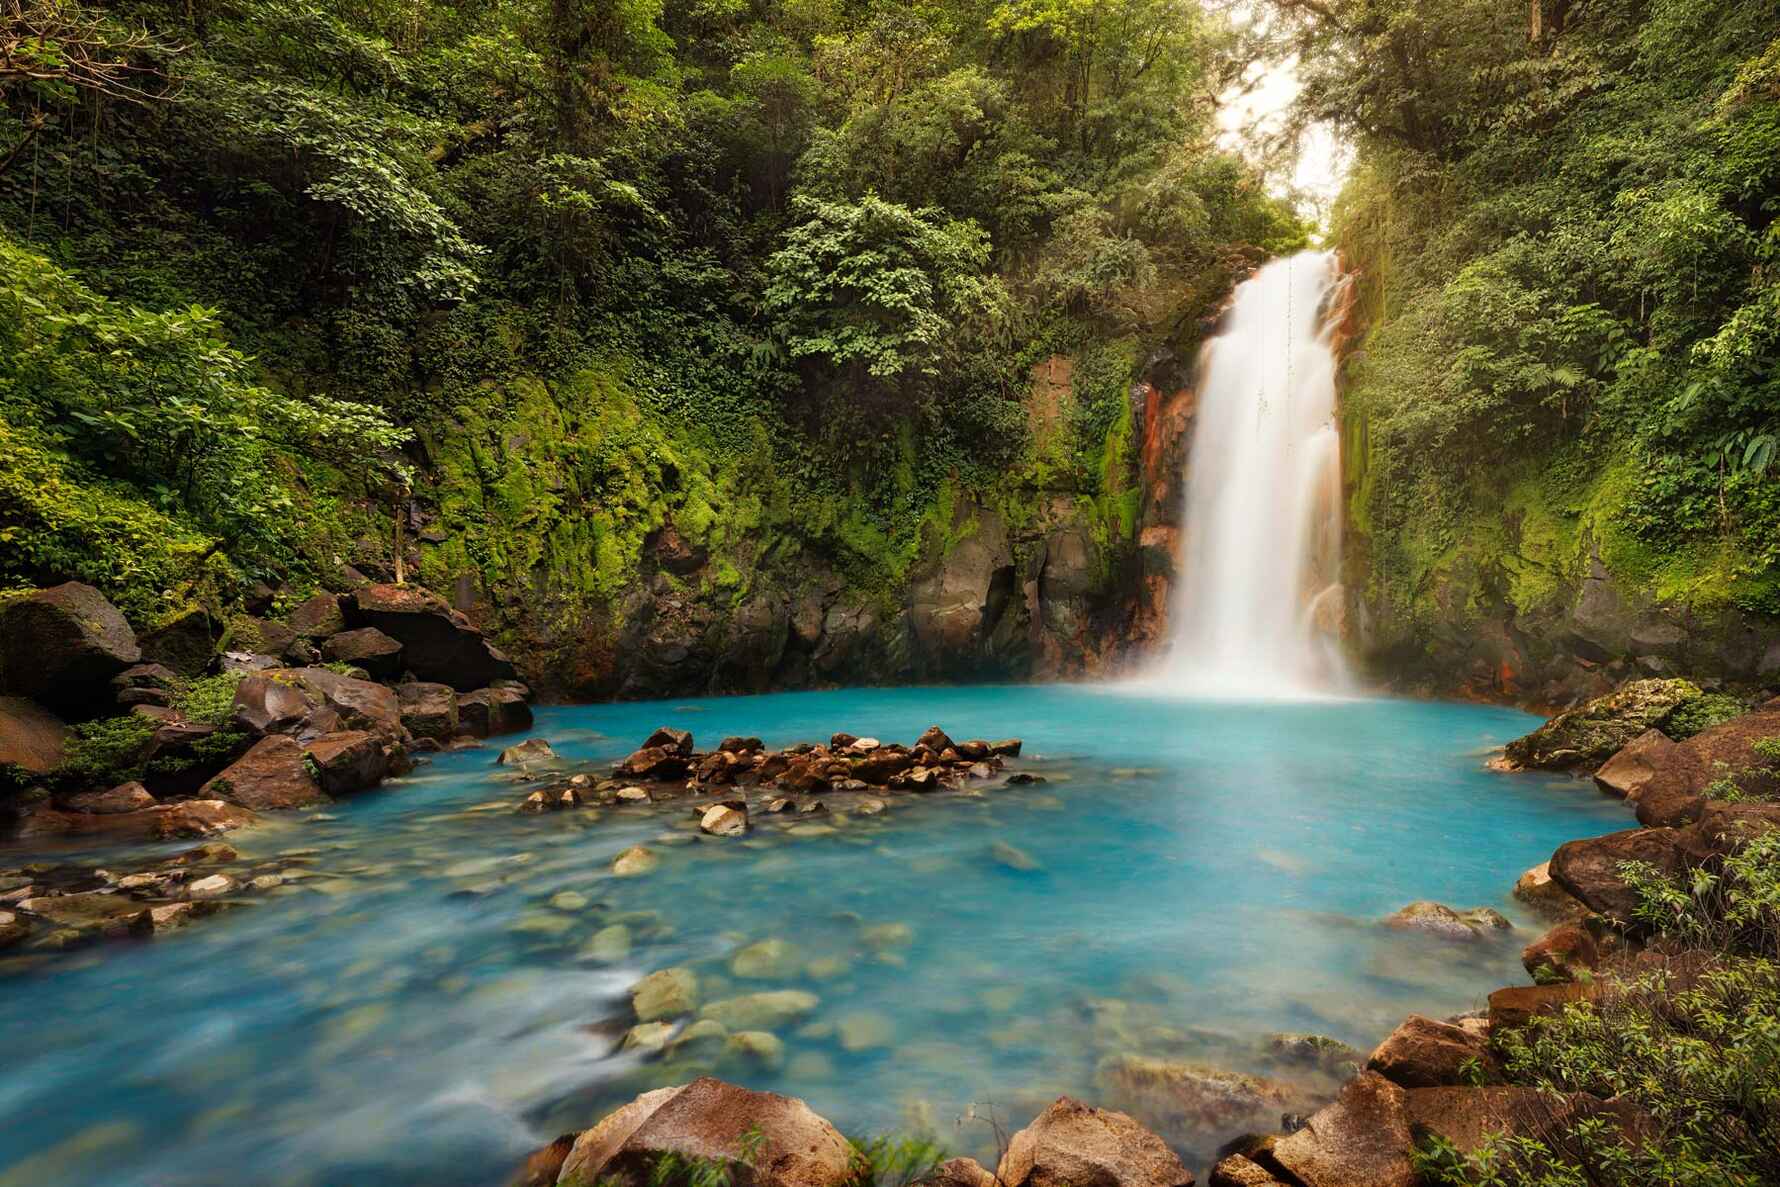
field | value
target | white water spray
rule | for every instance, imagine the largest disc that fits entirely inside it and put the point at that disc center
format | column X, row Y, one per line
column 1256, row 601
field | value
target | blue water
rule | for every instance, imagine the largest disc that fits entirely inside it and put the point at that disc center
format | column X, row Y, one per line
column 1208, row 875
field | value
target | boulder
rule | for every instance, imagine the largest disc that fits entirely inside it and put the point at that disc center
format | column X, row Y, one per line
column 318, row 617
column 1071, row 1144
column 653, row 762
column 958, row 1172
column 727, row 819
column 186, row 643
column 1723, row 828
column 264, row 705
column 1237, row 1171
column 125, row 797
column 164, row 822
column 61, row 646
column 429, row 710
column 1468, row 1117
column 491, row 711
column 1589, row 735
column 531, row 752
column 347, row 761
column 1437, row 919
column 1422, row 1053
column 367, row 648
column 438, row 643
column 1537, row 890
column 669, row 993
column 1362, row 1139
column 1636, row 763
column 762, row 1011
column 713, row 1121
column 935, row 739
column 635, row 861
column 273, row 774
column 677, row 742
column 1561, row 954
column 31, row 737
column 91, row 914
column 1186, row 1097
column 1589, row 868
column 360, row 704
column 1515, row 1005
column 544, row 1165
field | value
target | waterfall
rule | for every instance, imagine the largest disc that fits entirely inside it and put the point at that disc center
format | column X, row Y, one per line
column 1257, row 610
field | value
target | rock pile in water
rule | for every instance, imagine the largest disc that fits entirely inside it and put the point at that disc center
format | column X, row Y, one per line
column 668, row 766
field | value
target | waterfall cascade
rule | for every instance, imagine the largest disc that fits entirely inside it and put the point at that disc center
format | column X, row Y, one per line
column 1262, row 542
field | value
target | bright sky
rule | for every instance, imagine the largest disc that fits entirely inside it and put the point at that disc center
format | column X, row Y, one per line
column 1322, row 160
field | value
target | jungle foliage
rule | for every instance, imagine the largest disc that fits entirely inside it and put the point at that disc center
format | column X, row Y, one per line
column 1563, row 217
column 269, row 264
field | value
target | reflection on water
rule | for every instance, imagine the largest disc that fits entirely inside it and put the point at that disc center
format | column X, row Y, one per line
column 443, row 985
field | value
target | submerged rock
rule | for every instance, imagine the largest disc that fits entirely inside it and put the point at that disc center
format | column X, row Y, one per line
column 762, row 1011
column 669, row 993
column 1437, row 919
column 635, row 861
column 1186, row 1096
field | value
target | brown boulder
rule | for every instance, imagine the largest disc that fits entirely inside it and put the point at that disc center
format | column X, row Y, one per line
column 61, row 646
column 711, row 1120
column 935, row 739
column 1237, row 1171
column 347, row 761
column 543, row 1167
column 1589, row 868
column 31, row 737
column 186, row 643
column 1467, row 1117
column 1561, row 953
column 359, row 704
column 125, row 797
column 491, row 711
column 267, row 706
column 438, row 643
column 1423, row 1053
column 164, row 822
column 318, row 617
column 1723, row 828
column 675, row 742
column 1437, row 919
column 881, row 764
column 1516, row 1005
column 1362, row 1139
column 1637, row 763
column 652, row 762
column 428, row 710
column 271, row 775
column 367, row 648
column 1537, row 890
column 1071, row 1144
column 958, row 1172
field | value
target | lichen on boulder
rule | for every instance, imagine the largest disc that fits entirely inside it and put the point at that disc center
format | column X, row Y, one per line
column 1587, row 736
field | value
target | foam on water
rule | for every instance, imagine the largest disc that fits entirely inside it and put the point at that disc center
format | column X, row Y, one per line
column 1208, row 874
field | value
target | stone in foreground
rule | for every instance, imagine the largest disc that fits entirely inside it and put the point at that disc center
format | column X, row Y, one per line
column 1071, row 1144
column 710, row 1120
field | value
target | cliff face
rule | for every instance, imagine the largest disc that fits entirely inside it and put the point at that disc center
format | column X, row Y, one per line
column 658, row 567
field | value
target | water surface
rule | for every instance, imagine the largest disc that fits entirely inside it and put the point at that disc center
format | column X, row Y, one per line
column 416, row 1011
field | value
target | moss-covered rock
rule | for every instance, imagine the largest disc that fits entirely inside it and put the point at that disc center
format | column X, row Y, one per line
column 1586, row 737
